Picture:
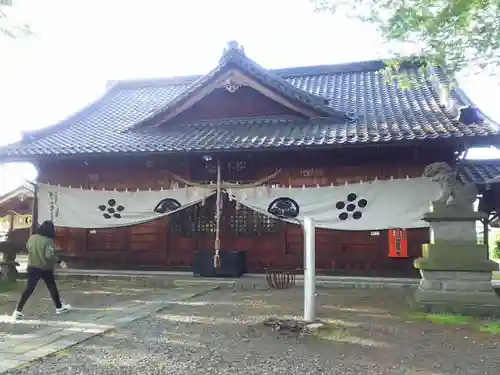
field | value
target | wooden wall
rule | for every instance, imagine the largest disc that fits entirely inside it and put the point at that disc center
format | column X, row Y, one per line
column 245, row 102
column 153, row 245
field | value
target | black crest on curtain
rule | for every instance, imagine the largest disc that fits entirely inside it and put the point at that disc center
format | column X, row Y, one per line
column 284, row 207
column 167, row 205
column 111, row 209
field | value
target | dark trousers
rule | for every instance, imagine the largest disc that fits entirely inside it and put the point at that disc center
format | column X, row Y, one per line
column 34, row 275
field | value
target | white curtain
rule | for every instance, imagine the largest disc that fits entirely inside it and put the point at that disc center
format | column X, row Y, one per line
column 85, row 208
column 375, row 205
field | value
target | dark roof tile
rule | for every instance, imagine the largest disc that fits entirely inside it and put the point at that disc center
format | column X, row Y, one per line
column 481, row 172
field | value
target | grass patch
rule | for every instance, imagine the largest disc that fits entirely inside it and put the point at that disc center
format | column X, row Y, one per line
column 496, row 276
column 493, row 328
column 62, row 353
column 459, row 320
column 443, row 318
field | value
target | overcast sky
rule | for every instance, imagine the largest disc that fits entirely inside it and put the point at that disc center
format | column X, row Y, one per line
column 82, row 44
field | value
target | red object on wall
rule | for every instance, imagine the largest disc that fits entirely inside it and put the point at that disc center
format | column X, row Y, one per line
column 398, row 243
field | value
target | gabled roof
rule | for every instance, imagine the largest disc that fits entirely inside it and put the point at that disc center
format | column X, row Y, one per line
column 235, row 69
column 381, row 112
column 479, row 171
column 26, row 190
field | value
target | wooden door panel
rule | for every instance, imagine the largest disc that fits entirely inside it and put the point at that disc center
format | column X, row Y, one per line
column 180, row 251
column 148, row 236
column 106, row 239
column 260, row 236
column 190, row 230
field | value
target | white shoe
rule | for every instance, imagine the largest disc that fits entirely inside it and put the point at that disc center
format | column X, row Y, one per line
column 17, row 315
column 63, row 309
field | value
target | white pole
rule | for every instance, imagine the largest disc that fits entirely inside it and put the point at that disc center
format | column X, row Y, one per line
column 309, row 270
column 217, row 219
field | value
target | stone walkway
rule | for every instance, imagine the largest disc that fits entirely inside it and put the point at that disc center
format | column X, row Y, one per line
column 28, row 340
column 221, row 333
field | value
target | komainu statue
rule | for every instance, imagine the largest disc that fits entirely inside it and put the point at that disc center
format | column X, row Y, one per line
column 455, row 194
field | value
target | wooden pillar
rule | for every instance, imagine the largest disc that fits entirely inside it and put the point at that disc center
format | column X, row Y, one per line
column 34, row 210
column 11, row 223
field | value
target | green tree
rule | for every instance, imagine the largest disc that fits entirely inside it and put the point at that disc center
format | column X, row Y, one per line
column 459, row 35
column 496, row 249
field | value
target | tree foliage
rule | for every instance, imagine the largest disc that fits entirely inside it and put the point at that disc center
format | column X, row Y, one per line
column 496, row 249
column 459, row 35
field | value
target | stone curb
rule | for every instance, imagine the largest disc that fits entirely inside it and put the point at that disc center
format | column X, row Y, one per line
column 245, row 284
column 248, row 284
column 74, row 338
column 162, row 279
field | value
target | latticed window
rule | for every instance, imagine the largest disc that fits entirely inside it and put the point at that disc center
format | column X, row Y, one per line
column 182, row 223
column 205, row 219
column 264, row 224
column 236, row 221
column 246, row 222
column 193, row 220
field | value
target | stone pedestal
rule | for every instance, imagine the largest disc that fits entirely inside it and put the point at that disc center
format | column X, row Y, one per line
column 8, row 263
column 8, row 271
column 456, row 272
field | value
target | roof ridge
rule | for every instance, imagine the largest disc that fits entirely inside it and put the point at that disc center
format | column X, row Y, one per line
column 234, row 54
column 153, row 81
column 60, row 125
column 354, row 66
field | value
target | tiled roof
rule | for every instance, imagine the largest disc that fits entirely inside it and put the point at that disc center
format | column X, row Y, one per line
column 481, row 172
column 382, row 112
column 234, row 57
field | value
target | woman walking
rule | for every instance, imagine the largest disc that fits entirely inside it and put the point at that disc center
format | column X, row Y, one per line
column 41, row 262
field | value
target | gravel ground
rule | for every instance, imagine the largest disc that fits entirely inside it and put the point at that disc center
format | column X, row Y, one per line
column 221, row 333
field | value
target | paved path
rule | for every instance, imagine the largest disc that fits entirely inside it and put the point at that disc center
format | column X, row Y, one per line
column 39, row 338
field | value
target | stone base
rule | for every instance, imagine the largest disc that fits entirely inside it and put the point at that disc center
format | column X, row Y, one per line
column 455, row 256
column 8, row 271
column 468, row 293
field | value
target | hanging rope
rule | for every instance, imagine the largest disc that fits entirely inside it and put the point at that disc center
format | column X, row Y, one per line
column 217, row 217
column 227, row 185
column 219, row 186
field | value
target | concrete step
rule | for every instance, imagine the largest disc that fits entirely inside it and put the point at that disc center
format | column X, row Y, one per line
column 247, row 281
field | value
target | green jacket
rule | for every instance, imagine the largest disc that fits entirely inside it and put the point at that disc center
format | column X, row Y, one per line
column 41, row 252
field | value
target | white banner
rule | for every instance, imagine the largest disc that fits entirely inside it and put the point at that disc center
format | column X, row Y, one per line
column 375, row 205
column 92, row 209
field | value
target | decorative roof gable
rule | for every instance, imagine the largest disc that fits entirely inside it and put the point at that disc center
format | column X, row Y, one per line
column 23, row 190
column 235, row 70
